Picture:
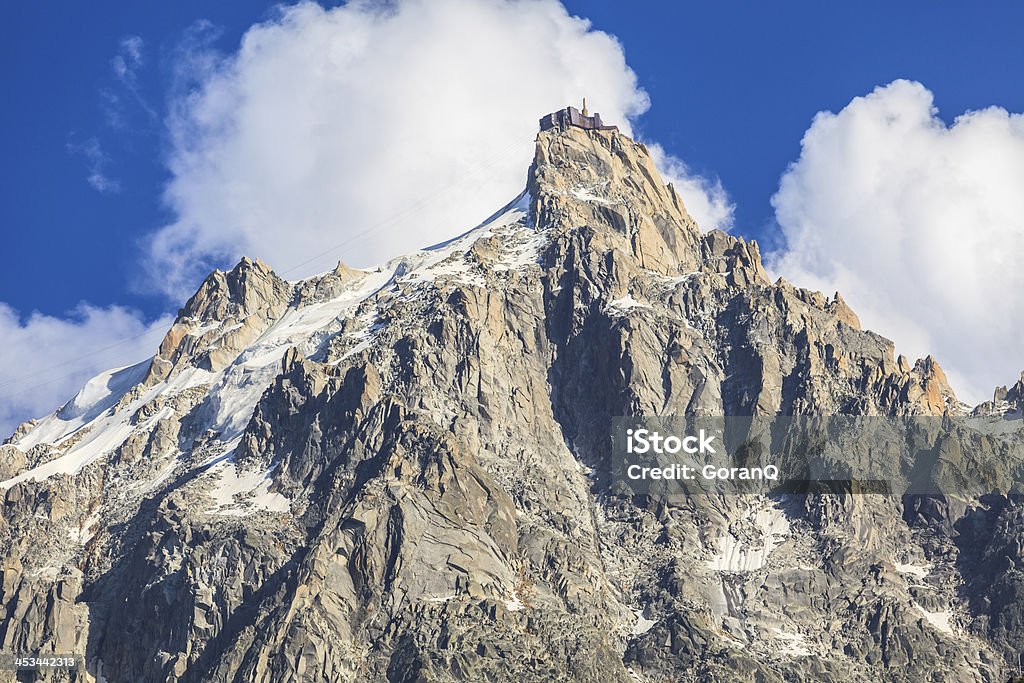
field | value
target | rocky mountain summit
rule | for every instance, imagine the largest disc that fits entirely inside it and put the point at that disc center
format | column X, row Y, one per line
column 400, row 474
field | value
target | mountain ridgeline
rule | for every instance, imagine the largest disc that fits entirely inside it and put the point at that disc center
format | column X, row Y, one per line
column 399, row 474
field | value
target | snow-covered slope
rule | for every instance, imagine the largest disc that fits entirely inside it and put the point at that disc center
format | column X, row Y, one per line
column 102, row 416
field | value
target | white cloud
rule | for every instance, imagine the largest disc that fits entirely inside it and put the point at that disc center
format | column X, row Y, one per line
column 46, row 360
column 128, row 59
column 705, row 199
column 383, row 126
column 125, row 66
column 96, row 162
column 919, row 224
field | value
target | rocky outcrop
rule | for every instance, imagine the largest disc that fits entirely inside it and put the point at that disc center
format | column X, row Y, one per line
column 403, row 474
column 228, row 313
column 12, row 461
column 1004, row 400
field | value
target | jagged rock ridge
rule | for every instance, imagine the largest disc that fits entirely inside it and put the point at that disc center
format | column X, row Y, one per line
column 395, row 474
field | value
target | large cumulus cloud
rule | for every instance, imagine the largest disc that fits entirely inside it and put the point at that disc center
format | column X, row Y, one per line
column 367, row 130
column 920, row 225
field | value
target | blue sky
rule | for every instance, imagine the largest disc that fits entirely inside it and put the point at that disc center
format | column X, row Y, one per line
column 733, row 88
column 734, row 85
column 59, row 68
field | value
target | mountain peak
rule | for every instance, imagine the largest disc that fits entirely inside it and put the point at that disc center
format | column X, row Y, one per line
column 602, row 178
column 228, row 311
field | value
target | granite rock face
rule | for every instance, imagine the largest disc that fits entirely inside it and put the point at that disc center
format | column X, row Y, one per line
column 399, row 474
column 228, row 313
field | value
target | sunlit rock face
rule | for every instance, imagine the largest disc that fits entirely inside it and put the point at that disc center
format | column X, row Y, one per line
column 399, row 474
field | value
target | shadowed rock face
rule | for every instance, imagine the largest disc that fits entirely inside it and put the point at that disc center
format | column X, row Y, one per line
column 397, row 474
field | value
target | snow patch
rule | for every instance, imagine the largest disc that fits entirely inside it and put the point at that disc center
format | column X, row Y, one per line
column 522, row 253
column 622, row 305
column 514, row 605
column 589, row 194
column 673, row 280
column 736, row 555
column 241, row 492
column 642, row 625
column 920, row 571
column 455, row 267
column 87, row 530
column 107, row 436
column 519, row 243
column 940, row 621
column 793, row 644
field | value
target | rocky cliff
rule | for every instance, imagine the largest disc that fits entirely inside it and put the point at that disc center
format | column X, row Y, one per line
column 400, row 474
